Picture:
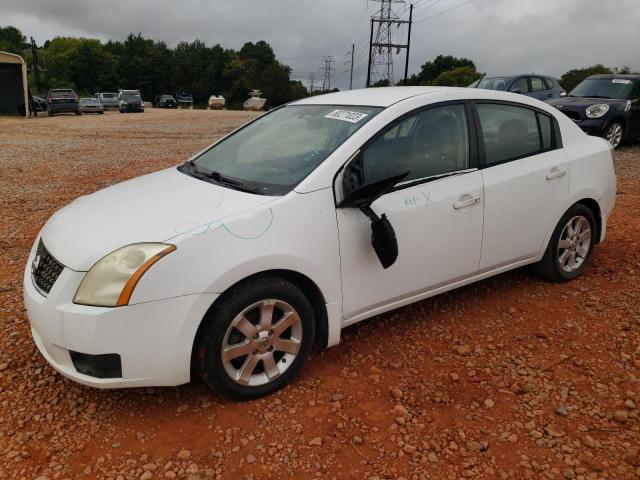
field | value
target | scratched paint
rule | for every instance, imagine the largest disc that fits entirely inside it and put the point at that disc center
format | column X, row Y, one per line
column 250, row 228
column 420, row 199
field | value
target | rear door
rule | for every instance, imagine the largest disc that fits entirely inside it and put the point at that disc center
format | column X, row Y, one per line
column 539, row 89
column 526, row 181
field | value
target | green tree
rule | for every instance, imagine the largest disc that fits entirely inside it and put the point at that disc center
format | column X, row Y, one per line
column 12, row 40
column 441, row 64
column 458, row 77
column 573, row 77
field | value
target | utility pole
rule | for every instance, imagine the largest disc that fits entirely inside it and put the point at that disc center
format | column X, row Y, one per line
column 380, row 49
column 35, row 63
column 353, row 48
column 327, row 73
column 406, row 61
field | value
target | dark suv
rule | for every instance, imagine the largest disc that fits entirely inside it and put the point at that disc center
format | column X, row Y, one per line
column 62, row 100
column 605, row 106
column 130, row 101
column 165, row 101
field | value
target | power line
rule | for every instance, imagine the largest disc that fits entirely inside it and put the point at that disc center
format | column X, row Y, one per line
column 444, row 11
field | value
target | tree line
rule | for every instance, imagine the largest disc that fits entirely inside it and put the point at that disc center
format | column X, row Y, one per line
column 90, row 66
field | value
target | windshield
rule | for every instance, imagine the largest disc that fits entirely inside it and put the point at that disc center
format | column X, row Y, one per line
column 166, row 97
column 131, row 96
column 275, row 152
column 495, row 83
column 604, row 88
column 89, row 100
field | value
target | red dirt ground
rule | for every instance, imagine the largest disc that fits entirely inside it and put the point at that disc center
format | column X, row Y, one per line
column 508, row 378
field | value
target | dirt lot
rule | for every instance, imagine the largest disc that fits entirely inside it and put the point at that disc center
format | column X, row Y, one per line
column 508, row 378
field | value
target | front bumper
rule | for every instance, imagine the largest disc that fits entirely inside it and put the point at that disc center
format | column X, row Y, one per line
column 132, row 108
column 595, row 127
column 153, row 340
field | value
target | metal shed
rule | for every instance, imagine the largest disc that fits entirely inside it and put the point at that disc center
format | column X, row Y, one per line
column 14, row 97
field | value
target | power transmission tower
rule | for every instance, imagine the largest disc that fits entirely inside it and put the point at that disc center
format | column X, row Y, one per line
column 381, row 46
column 312, row 82
column 327, row 73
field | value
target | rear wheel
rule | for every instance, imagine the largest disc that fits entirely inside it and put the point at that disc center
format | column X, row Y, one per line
column 254, row 341
column 50, row 113
column 614, row 134
column 570, row 247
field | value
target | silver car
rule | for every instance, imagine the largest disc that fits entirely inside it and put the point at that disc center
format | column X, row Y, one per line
column 109, row 100
column 91, row 105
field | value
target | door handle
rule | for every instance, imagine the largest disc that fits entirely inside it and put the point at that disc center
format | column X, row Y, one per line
column 556, row 173
column 466, row 201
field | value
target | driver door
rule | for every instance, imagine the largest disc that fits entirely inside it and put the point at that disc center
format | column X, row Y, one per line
column 436, row 211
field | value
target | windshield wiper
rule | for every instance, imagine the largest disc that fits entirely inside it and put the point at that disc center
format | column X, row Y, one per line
column 218, row 178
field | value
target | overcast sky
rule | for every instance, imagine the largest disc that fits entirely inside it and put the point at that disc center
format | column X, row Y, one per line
column 501, row 36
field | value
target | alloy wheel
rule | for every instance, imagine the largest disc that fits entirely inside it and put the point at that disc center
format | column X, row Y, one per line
column 614, row 135
column 574, row 244
column 261, row 342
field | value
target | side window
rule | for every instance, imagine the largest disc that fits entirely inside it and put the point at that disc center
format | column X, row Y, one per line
column 509, row 132
column 546, row 127
column 537, row 84
column 432, row 142
column 520, row 85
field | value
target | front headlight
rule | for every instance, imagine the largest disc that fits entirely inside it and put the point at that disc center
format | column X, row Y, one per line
column 597, row 111
column 110, row 282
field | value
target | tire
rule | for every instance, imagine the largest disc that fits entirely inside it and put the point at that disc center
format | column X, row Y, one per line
column 78, row 112
column 614, row 134
column 50, row 113
column 101, row 113
column 557, row 264
column 245, row 373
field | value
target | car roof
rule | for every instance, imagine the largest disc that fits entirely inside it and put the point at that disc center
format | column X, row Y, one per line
column 373, row 97
column 611, row 75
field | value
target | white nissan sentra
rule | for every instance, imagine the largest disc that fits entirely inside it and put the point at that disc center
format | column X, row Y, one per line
column 310, row 218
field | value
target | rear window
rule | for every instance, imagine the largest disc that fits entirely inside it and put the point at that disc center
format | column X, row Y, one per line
column 537, row 84
column 510, row 132
column 108, row 95
column 62, row 93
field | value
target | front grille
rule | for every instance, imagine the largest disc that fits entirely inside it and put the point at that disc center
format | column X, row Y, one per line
column 575, row 116
column 45, row 269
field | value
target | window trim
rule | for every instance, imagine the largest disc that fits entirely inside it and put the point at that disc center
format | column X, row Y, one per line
column 472, row 137
column 556, row 136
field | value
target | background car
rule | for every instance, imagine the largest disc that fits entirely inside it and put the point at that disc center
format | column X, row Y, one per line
column 165, row 101
column 328, row 211
column 40, row 103
column 62, row 100
column 537, row 86
column 130, row 101
column 216, row 102
column 91, row 105
column 184, row 100
column 109, row 100
column 606, row 106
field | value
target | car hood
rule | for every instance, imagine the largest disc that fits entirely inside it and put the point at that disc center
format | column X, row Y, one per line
column 581, row 103
column 151, row 208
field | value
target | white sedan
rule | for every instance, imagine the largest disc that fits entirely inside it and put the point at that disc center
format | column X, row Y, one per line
column 313, row 217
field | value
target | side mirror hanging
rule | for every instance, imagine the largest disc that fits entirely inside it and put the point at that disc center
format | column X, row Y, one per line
column 383, row 236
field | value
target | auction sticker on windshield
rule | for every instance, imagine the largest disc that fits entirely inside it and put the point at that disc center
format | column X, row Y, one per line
column 621, row 80
column 346, row 115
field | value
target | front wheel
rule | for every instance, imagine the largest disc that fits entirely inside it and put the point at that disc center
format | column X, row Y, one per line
column 614, row 134
column 254, row 341
column 570, row 247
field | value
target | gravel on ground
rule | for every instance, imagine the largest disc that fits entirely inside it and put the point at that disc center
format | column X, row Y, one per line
column 509, row 378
